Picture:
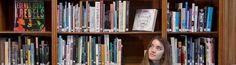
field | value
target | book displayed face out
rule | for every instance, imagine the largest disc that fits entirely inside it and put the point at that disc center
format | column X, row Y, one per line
column 29, row 16
column 145, row 20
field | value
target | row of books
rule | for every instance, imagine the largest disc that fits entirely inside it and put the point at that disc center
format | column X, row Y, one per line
column 101, row 17
column 89, row 50
column 190, row 19
column 24, row 51
column 29, row 15
column 193, row 51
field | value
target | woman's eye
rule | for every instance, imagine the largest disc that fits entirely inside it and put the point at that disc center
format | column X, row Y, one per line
column 158, row 48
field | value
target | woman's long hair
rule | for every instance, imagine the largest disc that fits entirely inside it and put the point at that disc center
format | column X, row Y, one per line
column 166, row 57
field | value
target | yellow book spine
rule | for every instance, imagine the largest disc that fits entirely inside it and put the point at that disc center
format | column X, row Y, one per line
column 6, row 53
column 103, row 54
column 29, row 62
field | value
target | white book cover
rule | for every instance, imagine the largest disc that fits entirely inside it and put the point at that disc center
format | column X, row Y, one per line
column 97, row 55
column 192, row 17
column 107, row 54
column 74, row 17
column 124, row 17
column 145, row 20
column 119, row 57
column 86, row 17
column 69, row 17
column 173, row 49
column 97, row 16
column 196, row 19
column 173, row 21
column 92, row 19
column 120, row 16
column 80, row 50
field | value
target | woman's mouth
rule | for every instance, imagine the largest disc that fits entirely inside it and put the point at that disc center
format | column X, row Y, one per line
column 152, row 55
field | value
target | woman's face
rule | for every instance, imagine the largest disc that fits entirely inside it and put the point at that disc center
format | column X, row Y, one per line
column 156, row 50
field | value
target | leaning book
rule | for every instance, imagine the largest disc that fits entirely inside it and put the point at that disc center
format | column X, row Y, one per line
column 145, row 20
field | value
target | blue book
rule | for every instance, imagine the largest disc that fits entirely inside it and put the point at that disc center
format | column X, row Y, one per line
column 64, row 18
column 185, row 24
column 83, row 18
column 115, row 50
column 209, row 19
column 191, row 51
column 111, row 51
column 93, row 51
column 177, row 19
column 187, row 21
column 201, row 54
column 60, row 50
column 115, row 20
column 60, row 16
column 32, row 53
column 84, row 53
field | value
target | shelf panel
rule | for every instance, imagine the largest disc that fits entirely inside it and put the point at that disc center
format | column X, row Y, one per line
column 214, row 34
column 24, row 32
column 102, row 33
column 34, row 33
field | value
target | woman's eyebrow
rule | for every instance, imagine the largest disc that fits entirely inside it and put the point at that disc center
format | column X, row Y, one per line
column 158, row 46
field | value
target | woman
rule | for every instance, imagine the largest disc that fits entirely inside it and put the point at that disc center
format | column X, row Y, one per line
column 158, row 52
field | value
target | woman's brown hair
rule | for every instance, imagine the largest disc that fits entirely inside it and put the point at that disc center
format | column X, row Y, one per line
column 166, row 57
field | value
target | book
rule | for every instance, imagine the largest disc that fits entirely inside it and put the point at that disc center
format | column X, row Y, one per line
column 29, row 15
column 193, row 50
column 91, row 50
column 145, row 20
column 194, row 19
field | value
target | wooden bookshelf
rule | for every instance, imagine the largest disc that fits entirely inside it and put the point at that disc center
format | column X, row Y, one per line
column 134, row 42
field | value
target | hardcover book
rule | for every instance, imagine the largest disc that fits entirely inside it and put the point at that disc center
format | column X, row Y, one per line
column 145, row 20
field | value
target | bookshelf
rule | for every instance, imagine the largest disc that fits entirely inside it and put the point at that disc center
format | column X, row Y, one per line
column 132, row 41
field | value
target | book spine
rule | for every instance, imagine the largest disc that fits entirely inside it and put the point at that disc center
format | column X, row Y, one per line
column 101, row 15
column 32, row 54
column 120, row 16
column 6, row 53
column 177, row 21
column 196, row 19
column 124, row 16
column 173, row 20
column 115, row 51
column 209, row 18
column 127, row 15
column 97, row 16
column 60, row 16
column 112, row 17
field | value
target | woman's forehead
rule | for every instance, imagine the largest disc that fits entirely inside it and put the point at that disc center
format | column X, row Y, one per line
column 156, row 43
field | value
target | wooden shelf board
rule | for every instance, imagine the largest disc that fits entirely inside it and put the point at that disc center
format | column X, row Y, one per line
column 31, row 33
column 192, row 32
column 101, row 33
column 24, row 32
column 207, row 34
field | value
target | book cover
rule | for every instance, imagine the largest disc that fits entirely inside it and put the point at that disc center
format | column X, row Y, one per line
column 29, row 16
column 145, row 20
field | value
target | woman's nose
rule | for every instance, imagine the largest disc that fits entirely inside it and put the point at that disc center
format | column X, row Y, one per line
column 153, row 50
